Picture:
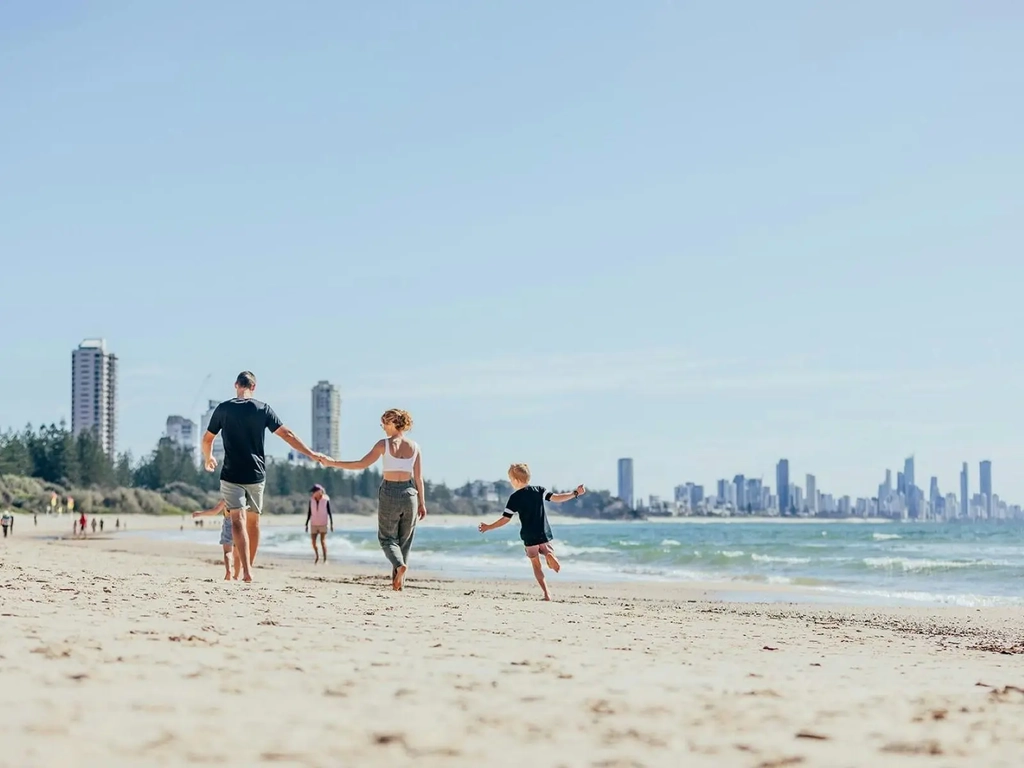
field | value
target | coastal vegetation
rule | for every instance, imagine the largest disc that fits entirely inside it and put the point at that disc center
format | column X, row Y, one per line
column 44, row 465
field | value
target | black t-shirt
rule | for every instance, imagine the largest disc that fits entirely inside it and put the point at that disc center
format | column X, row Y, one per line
column 528, row 503
column 243, row 423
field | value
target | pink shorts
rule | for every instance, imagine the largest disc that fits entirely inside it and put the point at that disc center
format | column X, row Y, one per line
column 539, row 549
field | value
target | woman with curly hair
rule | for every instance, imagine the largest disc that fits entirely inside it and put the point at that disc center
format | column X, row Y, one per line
column 401, row 498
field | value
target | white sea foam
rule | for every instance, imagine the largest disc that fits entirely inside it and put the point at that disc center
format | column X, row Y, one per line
column 885, row 536
column 670, row 543
column 732, row 553
column 785, row 560
column 911, row 564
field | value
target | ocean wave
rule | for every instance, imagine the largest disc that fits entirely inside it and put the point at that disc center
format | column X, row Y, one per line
column 935, row 598
column 568, row 549
column 786, row 560
column 670, row 543
column 627, row 543
column 910, row 564
column 885, row 536
column 732, row 553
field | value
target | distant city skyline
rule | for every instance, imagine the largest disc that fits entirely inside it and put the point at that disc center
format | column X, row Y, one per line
column 905, row 501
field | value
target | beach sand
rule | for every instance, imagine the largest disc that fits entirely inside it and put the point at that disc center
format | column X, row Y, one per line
column 122, row 651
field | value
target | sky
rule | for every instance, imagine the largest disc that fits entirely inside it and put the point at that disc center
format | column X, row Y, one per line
column 702, row 235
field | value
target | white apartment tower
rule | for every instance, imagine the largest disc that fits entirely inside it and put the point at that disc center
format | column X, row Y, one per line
column 326, row 418
column 182, row 432
column 94, row 392
column 218, row 441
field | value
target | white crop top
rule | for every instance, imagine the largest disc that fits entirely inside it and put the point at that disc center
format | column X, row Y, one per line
column 394, row 464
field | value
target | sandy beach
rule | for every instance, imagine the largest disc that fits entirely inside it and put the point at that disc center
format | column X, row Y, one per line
column 124, row 651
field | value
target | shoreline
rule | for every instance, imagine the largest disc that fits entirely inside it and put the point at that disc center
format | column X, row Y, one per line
column 741, row 586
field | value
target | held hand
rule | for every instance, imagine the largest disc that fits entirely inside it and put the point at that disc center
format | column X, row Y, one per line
column 211, row 464
column 422, row 511
column 483, row 528
column 580, row 490
column 320, row 458
column 196, row 514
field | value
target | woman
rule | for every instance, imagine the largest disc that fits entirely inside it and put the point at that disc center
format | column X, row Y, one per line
column 401, row 498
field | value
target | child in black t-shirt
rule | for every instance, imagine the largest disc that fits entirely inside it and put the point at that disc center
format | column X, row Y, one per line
column 528, row 502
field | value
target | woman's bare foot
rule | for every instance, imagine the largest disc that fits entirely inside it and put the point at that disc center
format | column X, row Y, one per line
column 547, row 597
column 227, row 575
column 399, row 580
column 316, row 558
column 553, row 563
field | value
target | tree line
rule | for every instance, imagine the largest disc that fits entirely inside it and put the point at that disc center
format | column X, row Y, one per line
column 54, row 455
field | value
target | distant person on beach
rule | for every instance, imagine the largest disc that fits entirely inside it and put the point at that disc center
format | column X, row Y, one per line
column 318, row 516
column 35, row 518
column 243, row 422
column 101, row 525
column 117, row 524
column 528, row 502
column 94, row 525
column 221, row 509
column 81, row 524
column 7, row 521
column 401, row 498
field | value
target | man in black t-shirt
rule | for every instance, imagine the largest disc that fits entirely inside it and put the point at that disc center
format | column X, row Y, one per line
column 528, row 502
column 243, row 423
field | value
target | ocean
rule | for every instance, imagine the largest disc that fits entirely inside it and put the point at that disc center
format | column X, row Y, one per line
column 885, row 564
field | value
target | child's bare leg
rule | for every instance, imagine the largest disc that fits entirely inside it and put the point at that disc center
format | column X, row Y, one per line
column 538, row 572
column 240, row 537
column 227, row 564
column 316, row 554
column 552, row 562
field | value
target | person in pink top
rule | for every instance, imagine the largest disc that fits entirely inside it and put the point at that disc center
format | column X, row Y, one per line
column 318, row 517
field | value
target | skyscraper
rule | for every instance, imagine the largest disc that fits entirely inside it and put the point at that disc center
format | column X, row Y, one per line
column 218, row 441
column 741, row 492
column 182, row 432
column 985, row 481
column 626, row 481
column 782, row 485
column 812, row 494
column 94, row 392
column 326, row 418
column 964, row 489
column 911, row 487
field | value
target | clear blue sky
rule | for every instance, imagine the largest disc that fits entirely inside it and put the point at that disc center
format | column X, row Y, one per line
column 702, row 235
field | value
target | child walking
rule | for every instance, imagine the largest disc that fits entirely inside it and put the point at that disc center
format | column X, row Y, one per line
column 225, row 538
column 527, row 501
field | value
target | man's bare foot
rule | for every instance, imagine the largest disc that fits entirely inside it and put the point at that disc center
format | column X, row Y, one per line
column 399, row 580
column 553, row 563
column 247, row 578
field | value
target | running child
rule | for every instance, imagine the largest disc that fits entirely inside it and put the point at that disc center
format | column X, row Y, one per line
column 225, row 537
column 528, row 502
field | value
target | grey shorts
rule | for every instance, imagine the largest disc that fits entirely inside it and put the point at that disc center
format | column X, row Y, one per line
column 225, row 532
column 237, row 496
